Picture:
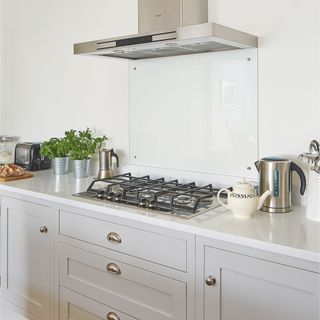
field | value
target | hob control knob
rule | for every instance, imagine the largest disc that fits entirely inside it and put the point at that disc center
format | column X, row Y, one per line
column 100, row 195
column 151, row 204
column 142, row 202
column 110, row 195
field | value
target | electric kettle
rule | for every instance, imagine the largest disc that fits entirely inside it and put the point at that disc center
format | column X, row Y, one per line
column 105, row 163
column 275, row 174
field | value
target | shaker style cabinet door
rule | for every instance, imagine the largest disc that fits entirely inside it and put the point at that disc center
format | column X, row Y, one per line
column 26, row 256
column 241, row 287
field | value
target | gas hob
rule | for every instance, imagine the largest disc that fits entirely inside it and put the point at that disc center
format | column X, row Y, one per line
column 185, row 200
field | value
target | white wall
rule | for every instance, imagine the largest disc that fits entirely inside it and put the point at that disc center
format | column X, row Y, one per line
column 288, row 73
column 318, row 53
column 46, row 89
column 0, row 66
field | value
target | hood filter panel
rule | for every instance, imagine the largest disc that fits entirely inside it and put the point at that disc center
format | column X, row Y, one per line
column 170, row 50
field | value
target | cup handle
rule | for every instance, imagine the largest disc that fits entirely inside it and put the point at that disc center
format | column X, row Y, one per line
column 218, row 198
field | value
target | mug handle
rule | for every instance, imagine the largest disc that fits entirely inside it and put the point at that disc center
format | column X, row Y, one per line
column 218, row 198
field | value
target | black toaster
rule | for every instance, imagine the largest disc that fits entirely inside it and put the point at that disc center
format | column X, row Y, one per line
column 28, row 156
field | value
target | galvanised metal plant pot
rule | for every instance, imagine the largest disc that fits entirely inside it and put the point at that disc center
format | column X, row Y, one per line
column 60, row 166
column 81, row 168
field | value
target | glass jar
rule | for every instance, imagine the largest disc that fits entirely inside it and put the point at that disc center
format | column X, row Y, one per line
column 7, row 148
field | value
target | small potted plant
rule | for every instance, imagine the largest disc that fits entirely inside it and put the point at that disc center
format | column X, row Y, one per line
column 57, row 150
column 82, row 146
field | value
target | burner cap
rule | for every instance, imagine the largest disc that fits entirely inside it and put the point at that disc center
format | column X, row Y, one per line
column 147, row 194
column 183, row 199
column 165, row 198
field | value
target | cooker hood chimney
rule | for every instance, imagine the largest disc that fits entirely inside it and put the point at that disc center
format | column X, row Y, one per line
column 170, row 28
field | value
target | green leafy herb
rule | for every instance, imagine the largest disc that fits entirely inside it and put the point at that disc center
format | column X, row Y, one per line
column 82, row 144
column 55, row 148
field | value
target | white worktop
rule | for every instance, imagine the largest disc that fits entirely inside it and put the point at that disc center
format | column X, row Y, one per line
column 289, row 234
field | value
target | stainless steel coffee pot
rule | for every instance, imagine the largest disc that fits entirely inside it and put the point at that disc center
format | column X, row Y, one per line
column 275, row 174
column 105, row 163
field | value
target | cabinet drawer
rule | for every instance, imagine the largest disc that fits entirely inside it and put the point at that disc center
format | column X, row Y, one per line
column 158, row 248
column 74, row 306
column 140, row 293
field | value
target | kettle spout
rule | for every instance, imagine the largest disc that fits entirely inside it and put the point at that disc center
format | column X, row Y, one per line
column 257, row 164
column 263, row 198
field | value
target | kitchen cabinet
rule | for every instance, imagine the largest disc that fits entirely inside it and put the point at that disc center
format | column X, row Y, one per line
column 143, row 272
column 0, row 247
column 235, row 286
column 61, row 261
column 26, row 254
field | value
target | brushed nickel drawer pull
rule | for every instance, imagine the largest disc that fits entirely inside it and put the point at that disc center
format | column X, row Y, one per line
column 112, row 316
column 114, row 237
column 44, row 229
column 211, row 281
column 113, row 268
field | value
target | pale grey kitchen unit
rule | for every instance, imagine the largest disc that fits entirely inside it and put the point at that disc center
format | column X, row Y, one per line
column 26, row 256
column 141, row 271
column 65, row 259
column 249, row 287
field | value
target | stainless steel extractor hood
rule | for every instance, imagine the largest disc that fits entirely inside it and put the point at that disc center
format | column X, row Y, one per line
column 185, row 30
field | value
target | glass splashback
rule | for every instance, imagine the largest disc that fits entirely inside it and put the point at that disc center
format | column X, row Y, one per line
column 196, row 113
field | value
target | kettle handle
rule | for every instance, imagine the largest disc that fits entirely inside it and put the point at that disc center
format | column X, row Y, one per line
column 257, row 164
column 116, row 156
column 299, row 171
column 218, row 198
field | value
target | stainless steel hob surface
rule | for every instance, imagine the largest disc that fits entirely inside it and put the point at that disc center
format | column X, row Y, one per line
column 185, row 200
